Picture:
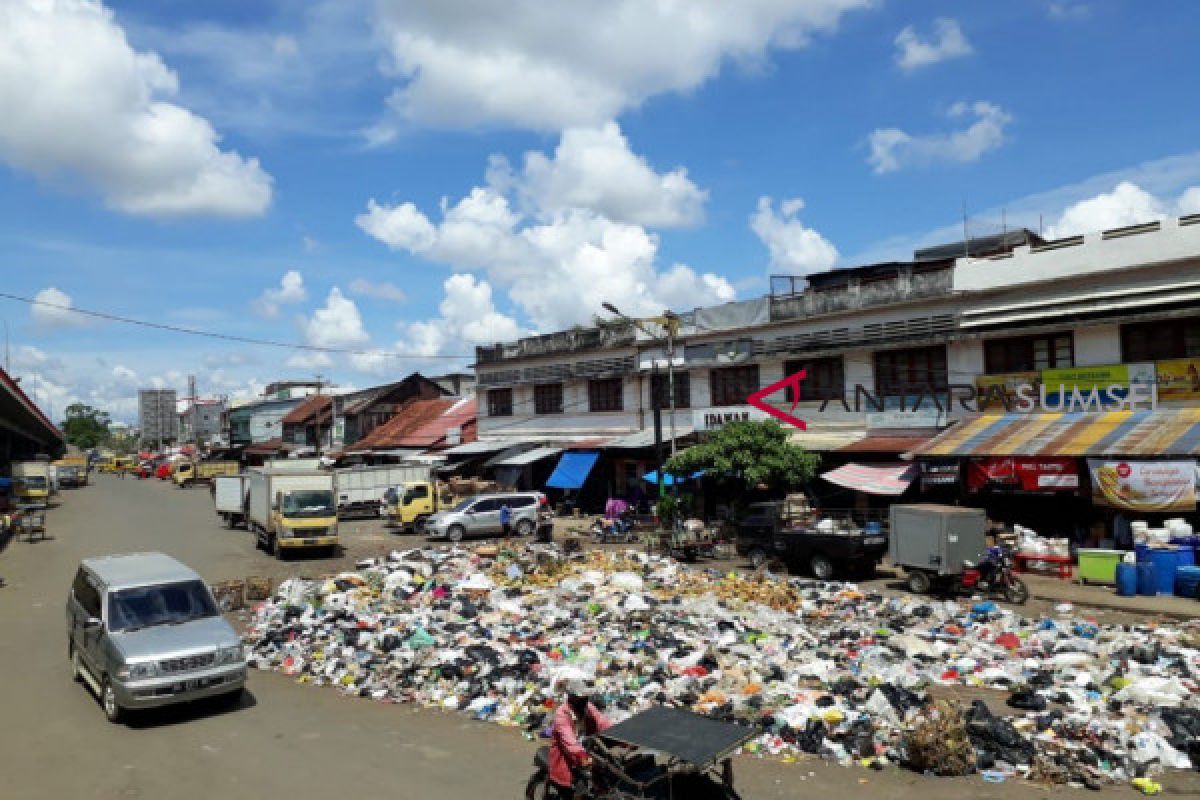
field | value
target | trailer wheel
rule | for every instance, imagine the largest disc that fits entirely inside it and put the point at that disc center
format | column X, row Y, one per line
column 919, row 582
column 821, row 566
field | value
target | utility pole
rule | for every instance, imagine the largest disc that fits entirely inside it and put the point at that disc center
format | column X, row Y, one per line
column 657, row 409
column 317, row 416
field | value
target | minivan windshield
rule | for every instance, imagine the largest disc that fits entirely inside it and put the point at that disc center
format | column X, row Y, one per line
column 308, row 503
column 165, row 604
column 464, row 504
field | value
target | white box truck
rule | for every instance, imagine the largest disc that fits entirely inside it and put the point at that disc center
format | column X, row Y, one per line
column 292, row 510
column 361, row 490
column 231, row 493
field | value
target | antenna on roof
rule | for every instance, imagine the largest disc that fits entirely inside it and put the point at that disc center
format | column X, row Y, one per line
column 966, row 236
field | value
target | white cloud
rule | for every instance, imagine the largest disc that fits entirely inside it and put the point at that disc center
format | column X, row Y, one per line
column 794, row 248
column 468, row 318
column 464, row 63
column 594, row 168
column 52, row 308
column 381, row 290
column 336, row 324
column 80, row 102
column 291, row 290
column 893, row 149
column 1189, row 201
column 1068, row 10
column 558, row 262
column 948, row 41
column 125, row 376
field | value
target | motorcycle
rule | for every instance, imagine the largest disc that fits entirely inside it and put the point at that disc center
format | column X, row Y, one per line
column 994, row 576
column 615, row 531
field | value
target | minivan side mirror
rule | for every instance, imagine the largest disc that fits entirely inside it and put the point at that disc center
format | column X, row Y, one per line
column 92, row 624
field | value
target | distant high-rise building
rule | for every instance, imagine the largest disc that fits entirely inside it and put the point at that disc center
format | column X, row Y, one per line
column 157, row 418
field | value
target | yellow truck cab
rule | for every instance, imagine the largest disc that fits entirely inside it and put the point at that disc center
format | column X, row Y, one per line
column 187, row 473
column 292, row 510
column 413, row 505
column 124, row 464
column 31, row 482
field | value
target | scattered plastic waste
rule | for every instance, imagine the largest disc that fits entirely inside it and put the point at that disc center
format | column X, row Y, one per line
column 818, row 668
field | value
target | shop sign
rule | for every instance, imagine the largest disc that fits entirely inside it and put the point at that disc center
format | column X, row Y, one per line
column 1144, row 485
column 1045, row 474
column 935, row 472
column 1096, row 388
column 1178, row 379
column 917, row 418
column 711, row 419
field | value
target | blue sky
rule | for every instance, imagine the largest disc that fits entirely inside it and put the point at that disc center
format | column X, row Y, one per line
column 415, row 178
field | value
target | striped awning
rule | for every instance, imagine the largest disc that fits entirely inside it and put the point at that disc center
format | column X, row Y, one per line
column 1171, row 432
column 886, row 479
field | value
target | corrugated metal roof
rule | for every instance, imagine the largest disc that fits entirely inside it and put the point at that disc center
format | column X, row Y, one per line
column 825, row 439
column 528, row 457
column 309, row 409
column 884, row 444
column 421, row 424
column 481, row 447
column 885, row 479
column 1169, row 432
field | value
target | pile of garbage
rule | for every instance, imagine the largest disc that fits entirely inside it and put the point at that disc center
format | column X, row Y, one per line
column 818, row 668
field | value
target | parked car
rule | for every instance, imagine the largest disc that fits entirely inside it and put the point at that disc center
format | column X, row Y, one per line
column 821, row 542
column 480, row 516
column 143, row 631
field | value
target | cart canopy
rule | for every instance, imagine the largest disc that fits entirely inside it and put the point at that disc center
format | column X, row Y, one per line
column 698, row 740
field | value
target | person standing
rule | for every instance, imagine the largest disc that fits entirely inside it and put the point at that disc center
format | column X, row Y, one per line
column 506, row 520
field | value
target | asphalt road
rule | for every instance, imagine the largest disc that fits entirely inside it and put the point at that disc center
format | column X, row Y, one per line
column 286, row 741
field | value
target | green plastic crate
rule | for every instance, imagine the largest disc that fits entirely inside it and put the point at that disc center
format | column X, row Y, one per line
column 1099, row 566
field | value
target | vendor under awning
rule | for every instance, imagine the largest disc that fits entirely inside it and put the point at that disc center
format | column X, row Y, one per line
column 884, row 479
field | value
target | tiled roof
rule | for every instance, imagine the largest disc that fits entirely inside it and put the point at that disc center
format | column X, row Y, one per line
column 422, row 424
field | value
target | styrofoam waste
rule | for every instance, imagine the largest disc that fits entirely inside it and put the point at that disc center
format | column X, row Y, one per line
column 819, row 668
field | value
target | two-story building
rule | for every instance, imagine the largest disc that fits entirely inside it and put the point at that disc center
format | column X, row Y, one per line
column 999, row 312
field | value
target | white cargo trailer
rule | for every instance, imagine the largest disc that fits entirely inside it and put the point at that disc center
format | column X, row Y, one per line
column 231, row 494
column 361, row 490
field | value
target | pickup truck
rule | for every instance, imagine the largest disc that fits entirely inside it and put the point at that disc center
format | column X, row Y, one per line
column 824, row 543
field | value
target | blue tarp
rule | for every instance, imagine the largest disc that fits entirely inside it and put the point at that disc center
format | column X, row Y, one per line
column 573, row 468
column 668, row 478
column 5, row 483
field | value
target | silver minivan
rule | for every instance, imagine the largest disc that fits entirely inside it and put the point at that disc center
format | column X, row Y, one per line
column 480, row 516
column 143, row 630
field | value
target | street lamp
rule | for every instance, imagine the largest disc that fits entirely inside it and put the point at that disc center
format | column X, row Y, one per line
column 669, row 322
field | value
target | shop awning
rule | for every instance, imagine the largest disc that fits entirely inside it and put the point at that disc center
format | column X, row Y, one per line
column 886, row 479
column 1171, row 432
column 645, row 438
column 528, row 457
column 573, row 469
column 668, row 478
column 480, row 447
column 824, row 439
column 884, row 444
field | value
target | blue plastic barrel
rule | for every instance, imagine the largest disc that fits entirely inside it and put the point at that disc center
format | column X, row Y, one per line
column 1143, row 553
column 873, row 528
column 1165, row 561
column 1127, row 579
column 1187, row 556
column 1187, row 582
column 1145, row 579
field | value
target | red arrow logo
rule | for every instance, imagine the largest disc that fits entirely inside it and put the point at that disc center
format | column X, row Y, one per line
column 758, row 399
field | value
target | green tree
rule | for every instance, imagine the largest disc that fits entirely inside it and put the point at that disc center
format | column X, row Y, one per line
column 746, row 455
column 84, row 426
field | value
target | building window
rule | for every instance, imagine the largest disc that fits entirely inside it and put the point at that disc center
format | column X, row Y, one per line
column 548, row 398
column 500, row 402
column 606, row 395
column 906, row 372
column 730, row 386
column 1154, row 341
column 824, row 379
column 1029, row 353
column 660, row 392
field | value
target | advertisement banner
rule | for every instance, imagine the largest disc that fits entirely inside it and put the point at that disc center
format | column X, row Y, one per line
column 1144, row 485
column 1178, row 379
column 939, row 472
column 1033, row 474
column 1101, row 378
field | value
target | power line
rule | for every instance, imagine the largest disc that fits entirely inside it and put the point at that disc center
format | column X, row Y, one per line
column 228, row 337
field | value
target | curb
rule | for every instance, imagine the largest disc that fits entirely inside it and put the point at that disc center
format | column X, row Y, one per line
column 1177, row 615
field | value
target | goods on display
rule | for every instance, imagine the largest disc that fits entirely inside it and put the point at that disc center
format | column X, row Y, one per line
column 815, row 667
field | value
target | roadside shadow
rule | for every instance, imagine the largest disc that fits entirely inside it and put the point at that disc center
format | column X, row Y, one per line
column 183, row 713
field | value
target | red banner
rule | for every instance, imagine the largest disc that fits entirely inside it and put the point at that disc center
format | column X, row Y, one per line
column 1048, row 474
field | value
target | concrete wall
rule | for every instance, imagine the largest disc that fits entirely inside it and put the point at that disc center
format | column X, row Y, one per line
column 1097, row 345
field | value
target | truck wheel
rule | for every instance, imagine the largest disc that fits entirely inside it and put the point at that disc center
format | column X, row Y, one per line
column 821, row 566
column 758, row 557
column 108, row 700
column 419, row 524
column 919, row 582
column 456, row 533
column 524, row 527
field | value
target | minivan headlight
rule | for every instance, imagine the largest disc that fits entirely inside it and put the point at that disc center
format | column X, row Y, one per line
column 137, row 672
column 230, row 655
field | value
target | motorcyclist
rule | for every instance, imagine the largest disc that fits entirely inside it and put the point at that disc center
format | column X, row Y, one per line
column 574, row 719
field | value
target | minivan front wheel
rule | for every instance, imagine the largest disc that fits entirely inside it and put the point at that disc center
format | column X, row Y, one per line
column 524, row 527
column 108, row 699
column 455, row 533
